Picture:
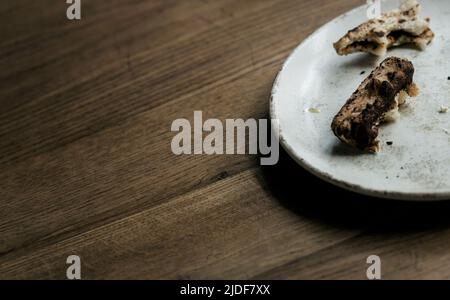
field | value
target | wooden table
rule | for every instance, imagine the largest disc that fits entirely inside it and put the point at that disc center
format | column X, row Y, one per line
column 87, row 168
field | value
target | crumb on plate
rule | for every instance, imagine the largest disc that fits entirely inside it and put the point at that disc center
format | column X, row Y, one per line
column 314, row 110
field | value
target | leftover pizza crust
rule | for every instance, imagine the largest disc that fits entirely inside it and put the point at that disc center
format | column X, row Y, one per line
column 394, row 28
column 375, row 101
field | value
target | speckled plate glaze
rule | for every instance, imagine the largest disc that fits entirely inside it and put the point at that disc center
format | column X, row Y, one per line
column 314, row 78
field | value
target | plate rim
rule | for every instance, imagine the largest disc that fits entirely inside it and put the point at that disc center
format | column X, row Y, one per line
column 326, row 176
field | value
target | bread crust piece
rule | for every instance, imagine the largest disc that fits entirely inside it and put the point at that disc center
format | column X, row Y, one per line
column 357, row 123
column 394, row 28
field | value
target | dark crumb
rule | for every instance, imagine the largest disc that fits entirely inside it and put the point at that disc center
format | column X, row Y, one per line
column 390, row 143
column 402, row 168
column 364, row 72
column 398, row 176
column 448, row 78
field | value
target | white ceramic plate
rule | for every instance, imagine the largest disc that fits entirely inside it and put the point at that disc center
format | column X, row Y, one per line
column 417, row 165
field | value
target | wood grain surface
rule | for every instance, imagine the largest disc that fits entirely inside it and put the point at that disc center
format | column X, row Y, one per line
column 86, row 166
